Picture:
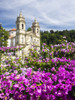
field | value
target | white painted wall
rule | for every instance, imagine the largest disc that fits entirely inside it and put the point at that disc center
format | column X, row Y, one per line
column 12, row 33
column 9, row 42
column 13, row 41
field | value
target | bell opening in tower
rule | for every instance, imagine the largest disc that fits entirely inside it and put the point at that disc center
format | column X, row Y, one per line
column 22, row 26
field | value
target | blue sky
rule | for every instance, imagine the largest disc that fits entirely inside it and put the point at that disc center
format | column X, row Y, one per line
column 51, row 14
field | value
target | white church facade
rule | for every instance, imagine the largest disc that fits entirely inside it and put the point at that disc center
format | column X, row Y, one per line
column 26, row 39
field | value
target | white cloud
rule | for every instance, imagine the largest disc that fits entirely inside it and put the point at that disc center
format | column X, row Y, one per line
column 47, row 12
column 12, row 4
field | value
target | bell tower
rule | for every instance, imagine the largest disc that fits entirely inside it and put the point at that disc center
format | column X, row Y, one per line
column 36, row 28
column 36, row 32
column 20, row 30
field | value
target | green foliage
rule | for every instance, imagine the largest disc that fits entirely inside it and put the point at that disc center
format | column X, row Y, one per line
column 57, row 37
column 3, row 37
column 52, row 67
column 47, row 58
column 12, row 64
column 29, row 29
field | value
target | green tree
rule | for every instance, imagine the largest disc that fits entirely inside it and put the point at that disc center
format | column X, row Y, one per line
column 51, row 31
column 56, row 37
column 29, row 29
column 3, row 37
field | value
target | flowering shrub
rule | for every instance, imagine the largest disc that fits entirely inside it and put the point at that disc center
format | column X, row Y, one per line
column 52, row 56
column 34, row 85
column 11, row 65
column 9, row 49
column 47, row 64
column 49, row 75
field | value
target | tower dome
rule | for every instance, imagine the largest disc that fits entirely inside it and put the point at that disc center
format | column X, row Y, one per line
column 36, row 28
column 35, row 24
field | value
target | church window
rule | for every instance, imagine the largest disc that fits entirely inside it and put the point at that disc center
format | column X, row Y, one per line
column 17, row 26
column 17, row 40
column 37, row 30
column 35, row 41
column 22, row 39
column 22, row 26
column 33, row 30
column 31, row 38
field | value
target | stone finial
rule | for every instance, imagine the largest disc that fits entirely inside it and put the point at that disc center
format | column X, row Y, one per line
column 35, row 21
column 20, row 14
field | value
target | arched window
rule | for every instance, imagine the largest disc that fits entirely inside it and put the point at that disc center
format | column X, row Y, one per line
column 16, row 39
column 33, row 30
column 17, row 26
column 22, row 26
column 37, row 30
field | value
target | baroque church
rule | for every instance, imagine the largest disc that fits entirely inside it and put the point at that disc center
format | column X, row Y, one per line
column 23, row 38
